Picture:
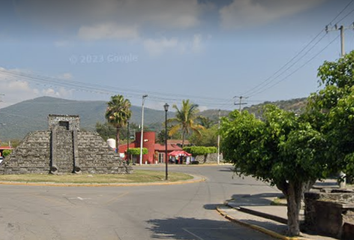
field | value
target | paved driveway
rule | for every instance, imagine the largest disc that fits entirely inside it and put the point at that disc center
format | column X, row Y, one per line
column 184, row 211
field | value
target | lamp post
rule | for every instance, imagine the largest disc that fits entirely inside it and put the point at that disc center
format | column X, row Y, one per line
column 166, row 159
column 128, row 136
column 142, row 129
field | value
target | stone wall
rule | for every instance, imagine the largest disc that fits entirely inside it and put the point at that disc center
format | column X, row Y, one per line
column 63, row 149
column 330, row 214
column 210, row 158
column 31, row 156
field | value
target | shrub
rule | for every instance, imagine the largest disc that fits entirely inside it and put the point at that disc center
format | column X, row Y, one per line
column 136, row 151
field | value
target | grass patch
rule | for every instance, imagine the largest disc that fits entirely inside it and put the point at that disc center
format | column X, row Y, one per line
column 279, row 202
column 138, row 176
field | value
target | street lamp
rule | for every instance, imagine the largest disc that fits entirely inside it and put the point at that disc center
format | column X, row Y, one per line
column 128, row 136
column 166, row 159
column 142, row 129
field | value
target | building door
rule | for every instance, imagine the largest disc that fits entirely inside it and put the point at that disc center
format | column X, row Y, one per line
column 161, row 157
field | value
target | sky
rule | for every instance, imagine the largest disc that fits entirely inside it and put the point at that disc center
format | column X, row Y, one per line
column 211, row 52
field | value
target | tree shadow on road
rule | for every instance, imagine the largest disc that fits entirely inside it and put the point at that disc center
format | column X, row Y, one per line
column 192, row 228
column 261, row 199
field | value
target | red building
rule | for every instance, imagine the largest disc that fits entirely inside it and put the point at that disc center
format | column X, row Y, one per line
column 156, row 151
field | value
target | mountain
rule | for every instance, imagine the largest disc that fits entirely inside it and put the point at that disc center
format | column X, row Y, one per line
column 296, row 105
column 19, row 119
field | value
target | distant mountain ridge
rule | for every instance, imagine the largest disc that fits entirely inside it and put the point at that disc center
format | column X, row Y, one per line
column 19, row 119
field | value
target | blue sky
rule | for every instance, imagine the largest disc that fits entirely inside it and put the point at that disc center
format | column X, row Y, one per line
column 207, row 51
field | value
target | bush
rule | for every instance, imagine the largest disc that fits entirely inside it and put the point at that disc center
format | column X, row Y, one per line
column 136, row 151
column 6, row 153
column 198, row 150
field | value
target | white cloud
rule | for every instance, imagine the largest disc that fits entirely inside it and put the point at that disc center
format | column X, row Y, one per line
column 62, row 43
column 16, row 89
column 156, row 47
column 173, row 14
column 246, row 13
column 197, row 43
column 112, row 19
column 108, row 31
column 202, row 108
column 66, row 76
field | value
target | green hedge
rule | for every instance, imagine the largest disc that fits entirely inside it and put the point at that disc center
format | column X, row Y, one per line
column 6, row 152
column 136, row 151
column 199, row 150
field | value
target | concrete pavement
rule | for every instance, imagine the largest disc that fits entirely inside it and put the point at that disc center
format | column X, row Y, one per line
column 255, row 211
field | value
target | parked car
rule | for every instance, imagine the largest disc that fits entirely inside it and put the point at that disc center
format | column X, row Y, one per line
column 1, row 159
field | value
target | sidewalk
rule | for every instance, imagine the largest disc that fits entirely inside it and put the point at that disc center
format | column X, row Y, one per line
column 255, row 211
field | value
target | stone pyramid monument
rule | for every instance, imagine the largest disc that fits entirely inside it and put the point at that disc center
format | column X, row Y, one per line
column 64, row 148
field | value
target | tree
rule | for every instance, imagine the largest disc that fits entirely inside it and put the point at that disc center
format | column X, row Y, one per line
column 200, row 151
column 118, row 113
column 160, row 138
column 208, row 137
column 185, row 120
column 330, row 110
column 281, row 149
column 105, row 130
column 206, row 122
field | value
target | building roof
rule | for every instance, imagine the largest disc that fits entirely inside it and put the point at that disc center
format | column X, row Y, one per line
column 177, row 141
column 170, row 147
column 5, row 148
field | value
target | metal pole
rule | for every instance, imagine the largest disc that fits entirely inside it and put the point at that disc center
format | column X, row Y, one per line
column 142, row 130
column 342, row 40
column 219, row 139
column 342, row 175
column 240, row 103
column 166, row 158
column 128, row 138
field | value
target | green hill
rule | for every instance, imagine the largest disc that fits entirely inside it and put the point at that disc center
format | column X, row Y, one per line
column 294, row 105
column 19, row 119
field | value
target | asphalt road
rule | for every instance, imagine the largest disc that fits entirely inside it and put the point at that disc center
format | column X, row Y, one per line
column 185, row 211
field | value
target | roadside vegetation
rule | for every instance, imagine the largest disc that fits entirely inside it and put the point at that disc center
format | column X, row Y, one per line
column 293, row 150
column 139, row 176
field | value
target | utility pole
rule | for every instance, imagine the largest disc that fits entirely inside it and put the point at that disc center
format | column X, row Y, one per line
column 219, row 139
column 240, row 103
column 142, row 130
column 341, row 29
column 342, row 176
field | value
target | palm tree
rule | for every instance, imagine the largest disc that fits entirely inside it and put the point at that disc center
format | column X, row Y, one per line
column 184, row 120
column 206, row 122
column 118, row 113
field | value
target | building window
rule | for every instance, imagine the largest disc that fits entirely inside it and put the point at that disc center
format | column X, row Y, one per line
column 64, row 124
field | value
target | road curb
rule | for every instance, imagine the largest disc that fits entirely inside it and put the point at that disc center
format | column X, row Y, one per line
column 258, row 228
column 196, row 179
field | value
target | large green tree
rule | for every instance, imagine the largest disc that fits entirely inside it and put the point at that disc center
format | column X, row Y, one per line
column 331, row 111
column 281, row 149
column 184, row 120
column 118, row 113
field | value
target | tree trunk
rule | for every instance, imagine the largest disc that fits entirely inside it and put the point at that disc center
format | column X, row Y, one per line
column 294, row 196
column 183, row 136
column 117, row 139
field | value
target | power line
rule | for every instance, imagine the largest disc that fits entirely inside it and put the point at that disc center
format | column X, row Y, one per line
column 263, row 85
column 107, row 90
column 293, row 72
column 342, row 12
